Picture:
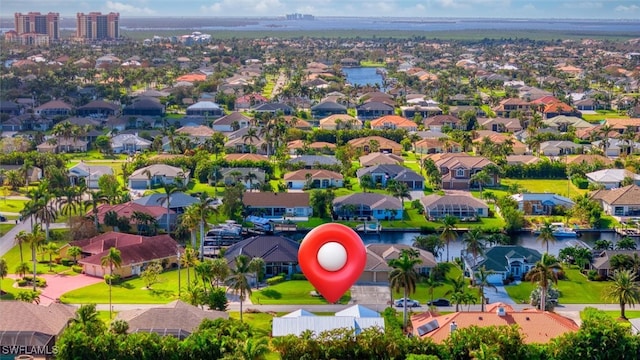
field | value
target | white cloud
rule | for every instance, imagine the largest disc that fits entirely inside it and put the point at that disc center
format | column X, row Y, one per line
column 630, row 8
column 467, row 4
column 244, row 7
column 129, row 9
column 583, row 5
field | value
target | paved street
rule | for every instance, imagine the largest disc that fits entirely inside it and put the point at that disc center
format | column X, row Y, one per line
column 7, row 241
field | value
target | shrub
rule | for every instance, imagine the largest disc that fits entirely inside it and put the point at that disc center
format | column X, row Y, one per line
column 40, row 282
column 275, row 280
column 22, row 282
column 298, row 277
column 77, row 269
column 66, row 262
column 115, row 279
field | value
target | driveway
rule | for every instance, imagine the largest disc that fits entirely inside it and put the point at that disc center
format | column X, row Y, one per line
column 58, row 284
column 370, row 294
column 499, row 294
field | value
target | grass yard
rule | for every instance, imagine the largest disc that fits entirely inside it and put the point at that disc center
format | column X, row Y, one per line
column 291, row 292
column 11, row 205
column 558, row 186
column 7, row 287
column 131, row 291
column 422, row 292
column 13, row 259
column 577, row 289
column 4, row 228
column 615, row 314
column 368, row 63
column 603, row 114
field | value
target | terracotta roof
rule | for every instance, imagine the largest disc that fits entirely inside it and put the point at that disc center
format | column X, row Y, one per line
column 535, row 326
column 245, row 157
column 192, row 77
column 588, row 159
column 127, row 209
column 134, row 249
column 622, row 123
column 397, row 121
column 201, row 130
column 269, row 199
column 315, row 174
column 467, row 161
column 383, row 142
column 628, row 195
column 558, row 107
column 441, row 120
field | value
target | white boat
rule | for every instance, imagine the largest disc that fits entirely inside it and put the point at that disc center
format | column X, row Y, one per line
column 559, row 230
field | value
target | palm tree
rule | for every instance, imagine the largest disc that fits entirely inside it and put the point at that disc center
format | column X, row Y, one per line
column 473, row 240
column 4, row 271
column 431, row 284
column 605, row 130
column 21, row 238
column 220, row 270
column 35, row 239
column 546, row 234
column 448, row 233
column 544, row 271
column 169, row 189
column 250, row 177
column 74, row 251
column 404, row 275
column 51, row 250
column 481, row 177
column 250, row 136
column 624, row 289
column 87, row 319
column 95, row 199
column 401, row 191
column 111, row 260
column 202, row 210
column 254, row 348
column 189, row 259
column 238, row 282
column 257, row 266
column 189, row 221
column 481, row 281
column 457, row 290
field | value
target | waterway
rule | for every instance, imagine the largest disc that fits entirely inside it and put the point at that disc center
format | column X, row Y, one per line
column 362, row 76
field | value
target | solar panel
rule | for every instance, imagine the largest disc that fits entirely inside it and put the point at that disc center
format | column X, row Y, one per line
column 428, row 327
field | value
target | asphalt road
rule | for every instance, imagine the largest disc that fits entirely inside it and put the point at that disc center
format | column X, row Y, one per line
column 7, row 241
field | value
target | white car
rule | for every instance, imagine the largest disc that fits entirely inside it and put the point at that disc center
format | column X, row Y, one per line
column 410, row 303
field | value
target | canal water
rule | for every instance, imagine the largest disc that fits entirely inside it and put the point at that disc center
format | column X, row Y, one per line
column 362, row 76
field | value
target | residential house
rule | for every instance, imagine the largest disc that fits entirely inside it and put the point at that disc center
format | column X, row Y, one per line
column 291, row 206
column 146, row 106
column 89, row 174
column 279, row 253
column 34, row 173
column 29, row 329
column 129, row 144
column 504, row 260
column 373, row 110
column 542, row 203
column 155, row 175
column 522, row 159
column 371, row 144
column 98, row 109
column 559, row 148
column 234, row 175
column 207, row 109
column 327, row 108
column 355, row 318
column 463, row 207
column 339, row 122
column 612, row 178
column 136, row 252
column 299, row 146
column 373, row 159
column 377, row 268
column 248, row 101
column 53, row 108
column 368, row 206
column 618, row 147
column 199, row 134
column 311, row 161
column 437, row 146
column 127, row 210
column 13, row 124
column 9, row 108
column 314, row 179
column 534, row 326
column 63, row 145
column 563, row 123
column 501, row 125
column 245, row 157
column 240, row 142
column 393, row 122
column 559, row 108
column 436, row 123
column 457, row 170
column 274, row 108
column 588, row 159
column 383, row 173
column 602, row 262
column 507, row 106
column 231, row 122
column 620, row 202
column 177, row 319
column 621, row 125
column 410, row 112
column 491, row 137
column 178, row 202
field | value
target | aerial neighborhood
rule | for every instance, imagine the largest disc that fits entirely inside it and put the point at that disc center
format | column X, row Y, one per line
column 164, row 184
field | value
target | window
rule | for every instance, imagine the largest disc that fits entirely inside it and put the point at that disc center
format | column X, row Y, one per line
column 459, row 172
column 480, row 211
column 618, row 210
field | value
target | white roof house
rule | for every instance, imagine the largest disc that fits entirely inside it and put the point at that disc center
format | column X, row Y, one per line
column 612, row 178
column 356, row 317
column 123, row 143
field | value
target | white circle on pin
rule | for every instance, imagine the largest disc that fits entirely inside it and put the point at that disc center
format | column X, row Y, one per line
column 332, row 256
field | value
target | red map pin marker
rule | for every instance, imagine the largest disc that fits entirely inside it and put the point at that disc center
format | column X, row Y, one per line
column 332, row 257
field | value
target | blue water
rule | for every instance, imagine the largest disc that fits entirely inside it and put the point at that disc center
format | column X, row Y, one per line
column 362, row 76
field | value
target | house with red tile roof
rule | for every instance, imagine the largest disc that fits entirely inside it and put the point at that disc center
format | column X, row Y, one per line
column 313, row 178
column 136, row 252
column 393, row 122
column 457, row 170
column 271, row 205
column 536, row 327
column 129, row 208
column 370, row 143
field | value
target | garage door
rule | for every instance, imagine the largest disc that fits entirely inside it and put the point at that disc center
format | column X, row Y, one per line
column 495, row 279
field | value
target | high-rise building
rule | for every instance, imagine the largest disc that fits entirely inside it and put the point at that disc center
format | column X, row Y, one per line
column 37, row 23
column 96, row 26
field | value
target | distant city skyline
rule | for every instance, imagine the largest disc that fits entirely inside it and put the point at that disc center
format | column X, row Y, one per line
column 537, row 9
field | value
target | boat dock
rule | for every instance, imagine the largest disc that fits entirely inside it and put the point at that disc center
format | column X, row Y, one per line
column 627, row 231
column 373, row 227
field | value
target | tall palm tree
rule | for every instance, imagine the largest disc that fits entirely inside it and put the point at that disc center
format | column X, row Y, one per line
column 401, row 191
column 257, row 266
column 250, row 136
column 189, row 221
column 21, row 238
column 169, row 189
column 404, row 276
column 474, row 245
column 203, row 209
column 546, row 234
column 605, row 130
column 35, row 239
column 449, row 233
column 457, row 289
column 189, row 259
column 624, row 289
column 87, row 319
column 482, row 178
column 481, row 281
column 95, row 199
column 111, row 260
column 250, row 177
column 542, row 273
column 238, row 282
column 4, row 271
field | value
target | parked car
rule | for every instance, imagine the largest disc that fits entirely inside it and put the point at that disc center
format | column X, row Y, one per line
column 410, row 303
column 439, row 302
column 3, row 218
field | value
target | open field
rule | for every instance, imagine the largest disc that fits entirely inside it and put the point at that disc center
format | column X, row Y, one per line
column 577, row 289
column 558, row 186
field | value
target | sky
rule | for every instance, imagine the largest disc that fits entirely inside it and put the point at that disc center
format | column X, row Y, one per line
column 552, row 9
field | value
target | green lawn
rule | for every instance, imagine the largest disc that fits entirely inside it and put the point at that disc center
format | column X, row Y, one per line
column 577, row 289
column 603, row 114
column 13, row 259
column 422, row 292
column 131, row 291
column 291, row 292
column 95, row 155
column 558, row 186
column 11, row 205
column 368, row 63
column 615, row 314
column 7, row 287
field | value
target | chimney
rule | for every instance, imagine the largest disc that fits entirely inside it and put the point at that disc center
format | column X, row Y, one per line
column 453, row 327
column 501, row 311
